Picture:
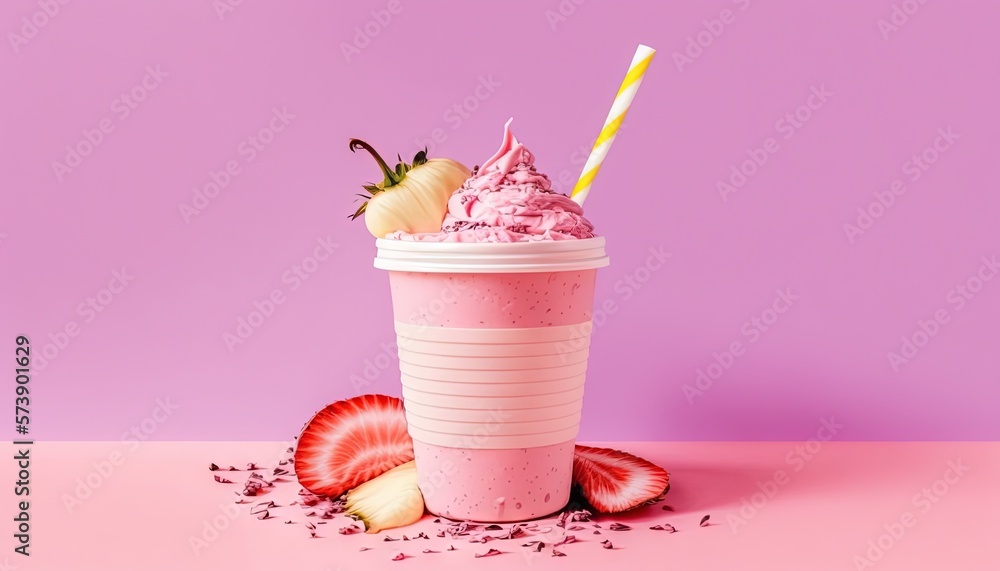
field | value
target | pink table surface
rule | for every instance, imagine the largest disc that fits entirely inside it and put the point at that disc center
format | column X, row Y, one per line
column 837, row 503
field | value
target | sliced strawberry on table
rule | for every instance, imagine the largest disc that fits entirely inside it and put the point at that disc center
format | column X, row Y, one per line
column 614, row 481
column 350, row 442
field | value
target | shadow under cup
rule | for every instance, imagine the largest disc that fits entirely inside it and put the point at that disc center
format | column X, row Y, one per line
column 493, row 344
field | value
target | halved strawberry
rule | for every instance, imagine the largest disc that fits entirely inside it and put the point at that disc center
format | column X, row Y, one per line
column 614, row 481
column 350, row 442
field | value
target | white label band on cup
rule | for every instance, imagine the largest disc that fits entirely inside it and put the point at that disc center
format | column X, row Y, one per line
column 505, row 413
column 495, row 427
column 489, row 391
column 486, row 441
column 493, row 362
column 579, row 332
column 509, row 376
column 477, row 403
column 493, row 388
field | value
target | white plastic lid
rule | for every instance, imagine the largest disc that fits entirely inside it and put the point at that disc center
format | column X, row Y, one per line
column 491, row 257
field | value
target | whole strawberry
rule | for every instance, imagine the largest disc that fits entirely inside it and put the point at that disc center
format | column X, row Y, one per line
column 413, row 197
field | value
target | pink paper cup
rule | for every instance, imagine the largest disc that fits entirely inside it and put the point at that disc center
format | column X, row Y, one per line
column 493, row 345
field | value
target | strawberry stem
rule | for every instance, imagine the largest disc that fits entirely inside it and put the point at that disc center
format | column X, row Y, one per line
column 391, row 178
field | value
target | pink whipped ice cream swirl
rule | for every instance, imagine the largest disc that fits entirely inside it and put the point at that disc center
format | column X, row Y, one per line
column 507, row 200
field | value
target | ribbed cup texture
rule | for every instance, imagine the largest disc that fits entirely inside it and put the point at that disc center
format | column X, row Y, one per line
column 493, row 388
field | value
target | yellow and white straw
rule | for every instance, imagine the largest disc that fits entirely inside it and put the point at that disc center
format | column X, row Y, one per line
column 643, row 56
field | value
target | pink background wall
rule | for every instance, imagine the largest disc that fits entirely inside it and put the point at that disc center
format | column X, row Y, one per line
column 213, row 82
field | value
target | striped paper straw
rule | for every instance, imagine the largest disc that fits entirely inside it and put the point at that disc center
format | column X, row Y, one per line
column 643, row 55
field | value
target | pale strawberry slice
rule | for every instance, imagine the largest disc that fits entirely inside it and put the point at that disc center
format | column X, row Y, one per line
column 350, row 442
column 614, row 481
